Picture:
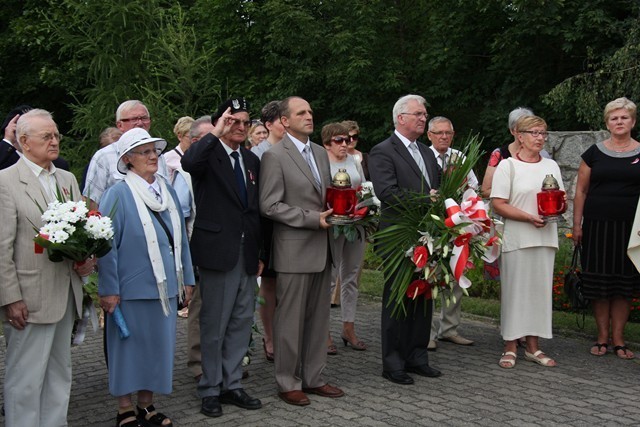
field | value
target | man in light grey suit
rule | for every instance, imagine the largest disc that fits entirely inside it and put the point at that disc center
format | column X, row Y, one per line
column 399, row 165
column 40, row 298
column 295, row 175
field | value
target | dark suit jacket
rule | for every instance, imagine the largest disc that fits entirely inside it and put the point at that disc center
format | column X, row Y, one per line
column 221, row 219
column 61, row 163
column 9, row 156
column 394, row 172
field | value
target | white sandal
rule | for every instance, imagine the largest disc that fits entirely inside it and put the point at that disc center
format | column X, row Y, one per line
column 507, row 363
column 544, row 361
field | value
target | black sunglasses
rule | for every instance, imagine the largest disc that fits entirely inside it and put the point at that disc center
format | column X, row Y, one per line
column 340, row 139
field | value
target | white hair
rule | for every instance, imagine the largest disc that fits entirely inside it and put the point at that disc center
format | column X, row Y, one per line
column 401, row 106
column 23, row 126
column 194, row 131
column 438, row 119
column 127, row 106
column 518, row 113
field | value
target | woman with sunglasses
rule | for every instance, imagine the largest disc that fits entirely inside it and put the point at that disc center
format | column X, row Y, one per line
column 354, row 138
column 529, row 245
column 347, row 255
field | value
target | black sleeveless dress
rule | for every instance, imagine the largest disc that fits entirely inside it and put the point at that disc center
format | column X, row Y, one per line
column 609, row 211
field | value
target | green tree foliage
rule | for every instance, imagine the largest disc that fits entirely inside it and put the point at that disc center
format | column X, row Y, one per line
column 111, row 51
column 551, row 40
column 608, row 78
column 474, row 60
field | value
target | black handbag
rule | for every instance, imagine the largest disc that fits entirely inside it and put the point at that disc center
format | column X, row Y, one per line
column 573, row 283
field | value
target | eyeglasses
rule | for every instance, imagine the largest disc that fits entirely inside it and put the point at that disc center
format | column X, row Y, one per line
column 48, row 137
column 417, row 115
column 148, row 153
column 143, row 119
column 443, row 132
column 536, row 133
column 246, row 123
column 340, row 140
column 354, row 137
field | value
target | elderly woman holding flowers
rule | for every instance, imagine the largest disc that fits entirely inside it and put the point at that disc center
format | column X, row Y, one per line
column 529, row 244
column 348, row 255
column 142, row 276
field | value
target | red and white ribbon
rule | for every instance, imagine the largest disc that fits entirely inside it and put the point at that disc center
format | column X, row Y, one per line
column 472, row 211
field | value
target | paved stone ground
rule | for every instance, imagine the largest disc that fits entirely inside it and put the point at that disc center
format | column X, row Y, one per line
column 474, row 390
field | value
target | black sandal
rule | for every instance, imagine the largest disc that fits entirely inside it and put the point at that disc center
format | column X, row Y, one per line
column 150, row 416
column 624, row 350
column 129, row 414
column 599, row 346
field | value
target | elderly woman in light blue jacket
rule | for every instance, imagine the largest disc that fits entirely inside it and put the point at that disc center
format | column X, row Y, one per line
column 143, row 275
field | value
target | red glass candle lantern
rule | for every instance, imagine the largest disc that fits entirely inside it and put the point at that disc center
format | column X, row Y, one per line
column 551, row 200
column 340, row 196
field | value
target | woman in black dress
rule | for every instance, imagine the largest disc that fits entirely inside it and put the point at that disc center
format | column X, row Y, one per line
column 604, row 207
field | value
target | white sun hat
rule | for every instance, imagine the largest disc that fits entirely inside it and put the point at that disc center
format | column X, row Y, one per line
column 134, row 138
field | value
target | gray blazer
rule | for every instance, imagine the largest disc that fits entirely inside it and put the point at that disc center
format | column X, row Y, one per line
column 289, row 197
column 24, row 275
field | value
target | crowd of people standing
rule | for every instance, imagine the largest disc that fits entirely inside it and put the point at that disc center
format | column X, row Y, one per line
column 237, row 200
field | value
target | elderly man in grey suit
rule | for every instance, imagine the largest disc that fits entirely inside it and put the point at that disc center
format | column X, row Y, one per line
column 225, row 244
column 295, row 175
column 40, row 298
column 399, row 165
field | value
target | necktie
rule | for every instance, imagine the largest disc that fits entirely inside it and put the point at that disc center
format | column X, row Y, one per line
column 306, row 153
column 418, row 158
column 443, row 158
column 237, row 170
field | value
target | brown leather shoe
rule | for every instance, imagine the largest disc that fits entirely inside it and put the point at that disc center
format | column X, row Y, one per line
column 294, row 397
column 326, row 390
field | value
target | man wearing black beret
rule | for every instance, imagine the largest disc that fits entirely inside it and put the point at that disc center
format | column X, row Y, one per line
column 225, row 246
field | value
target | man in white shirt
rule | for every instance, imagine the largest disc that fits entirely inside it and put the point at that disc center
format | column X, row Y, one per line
column 39, row 298
column 103, row 171
column 440, row 133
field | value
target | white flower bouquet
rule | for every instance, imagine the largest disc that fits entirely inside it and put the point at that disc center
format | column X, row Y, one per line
column 72, row 231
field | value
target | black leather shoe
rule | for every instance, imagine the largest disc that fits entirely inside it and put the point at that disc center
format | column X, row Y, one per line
column 240, row 398
column 424, row 370
column 398, row 377
column 211, row 406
